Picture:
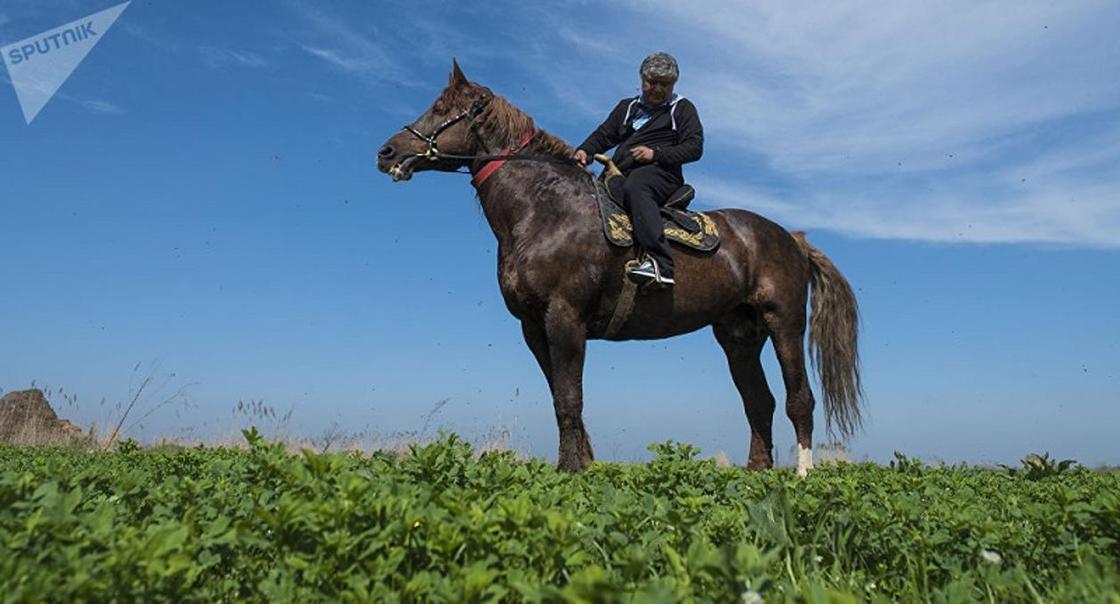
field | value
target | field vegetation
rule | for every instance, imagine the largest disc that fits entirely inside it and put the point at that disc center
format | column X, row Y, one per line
column 443, row 523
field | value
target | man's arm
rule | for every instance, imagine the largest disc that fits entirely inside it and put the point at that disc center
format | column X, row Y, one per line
column 690, row 134
column 607, row 134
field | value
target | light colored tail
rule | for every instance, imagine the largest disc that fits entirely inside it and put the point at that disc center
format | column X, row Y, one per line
column 833, row 335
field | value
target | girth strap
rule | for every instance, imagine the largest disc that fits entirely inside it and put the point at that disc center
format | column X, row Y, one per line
column 625, row 304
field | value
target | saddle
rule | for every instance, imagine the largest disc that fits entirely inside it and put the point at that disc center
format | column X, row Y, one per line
column 695, row 230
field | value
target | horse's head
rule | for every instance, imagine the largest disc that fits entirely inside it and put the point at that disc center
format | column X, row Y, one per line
column 448, row 128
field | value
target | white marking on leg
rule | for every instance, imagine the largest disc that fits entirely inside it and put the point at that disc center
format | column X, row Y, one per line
column 804, row 460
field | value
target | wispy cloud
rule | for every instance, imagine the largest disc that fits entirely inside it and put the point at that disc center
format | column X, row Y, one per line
column 96, row 106
column 1085, row 215
column 145, row 34
column 214, row 57
column 4, row 19
column 824, row 86
column 353, row 50
column 334, row 57
column 224, row 57
column 103, row 107
column 405, row 51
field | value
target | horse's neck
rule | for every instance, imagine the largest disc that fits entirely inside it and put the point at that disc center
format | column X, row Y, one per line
column 506, row 203
column 518, row 205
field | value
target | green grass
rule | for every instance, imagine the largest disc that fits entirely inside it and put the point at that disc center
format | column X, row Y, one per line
column 440, row 525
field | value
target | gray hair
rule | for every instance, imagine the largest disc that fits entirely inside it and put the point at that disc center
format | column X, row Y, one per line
column 660, row 66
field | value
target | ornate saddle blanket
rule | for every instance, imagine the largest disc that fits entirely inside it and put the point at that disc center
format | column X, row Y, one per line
column 690, row 229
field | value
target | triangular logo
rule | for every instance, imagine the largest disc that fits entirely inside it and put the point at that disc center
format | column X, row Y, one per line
column 40, row 64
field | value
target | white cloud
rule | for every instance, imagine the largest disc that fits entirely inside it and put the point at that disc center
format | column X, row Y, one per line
column 348, row 47
column 103, row 107
column 98, row 106
column 333, row 57
column 826, row 86
column 221, row 57
column 215, row 57
column 1087, row 216
column 587, row 44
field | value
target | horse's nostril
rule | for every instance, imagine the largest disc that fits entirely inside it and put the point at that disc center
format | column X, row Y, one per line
column 386, row 152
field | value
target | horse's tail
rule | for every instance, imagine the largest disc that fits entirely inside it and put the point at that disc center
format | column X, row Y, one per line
column 833, row 332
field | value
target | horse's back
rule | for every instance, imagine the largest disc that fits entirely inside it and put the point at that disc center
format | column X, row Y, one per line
column 753, row 230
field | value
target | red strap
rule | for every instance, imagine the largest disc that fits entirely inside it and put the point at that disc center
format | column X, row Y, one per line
column 492, row 166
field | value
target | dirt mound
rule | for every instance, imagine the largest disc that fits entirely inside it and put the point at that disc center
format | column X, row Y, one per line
column 26, row 418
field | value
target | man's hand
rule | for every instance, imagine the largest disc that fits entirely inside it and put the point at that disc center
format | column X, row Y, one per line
column 580, row 156
column 642, row 154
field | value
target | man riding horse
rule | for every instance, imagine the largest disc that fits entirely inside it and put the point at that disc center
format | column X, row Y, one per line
column 559, row 274
column 655, row 132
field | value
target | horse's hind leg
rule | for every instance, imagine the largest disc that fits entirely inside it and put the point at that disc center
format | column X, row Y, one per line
column 742, row 342
column 787, row 329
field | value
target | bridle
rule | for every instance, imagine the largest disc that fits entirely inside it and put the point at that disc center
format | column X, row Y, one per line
column 432, row 153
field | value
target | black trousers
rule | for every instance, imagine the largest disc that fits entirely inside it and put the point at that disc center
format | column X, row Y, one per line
column 645, row 190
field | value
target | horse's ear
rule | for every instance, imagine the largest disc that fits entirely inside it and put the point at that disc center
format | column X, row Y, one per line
column 457, row 78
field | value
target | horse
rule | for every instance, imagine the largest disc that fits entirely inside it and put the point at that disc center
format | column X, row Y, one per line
column 562, row 280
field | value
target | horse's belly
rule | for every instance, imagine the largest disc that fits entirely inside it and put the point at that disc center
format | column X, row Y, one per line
column 661, row 314
column 640, row 330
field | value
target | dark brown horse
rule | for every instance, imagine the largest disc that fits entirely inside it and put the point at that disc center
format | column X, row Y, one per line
column 562, row 279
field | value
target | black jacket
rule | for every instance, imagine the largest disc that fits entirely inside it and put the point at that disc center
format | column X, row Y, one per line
column 674, row 133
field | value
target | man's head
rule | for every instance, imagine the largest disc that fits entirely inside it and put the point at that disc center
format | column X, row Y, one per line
column 659, row 73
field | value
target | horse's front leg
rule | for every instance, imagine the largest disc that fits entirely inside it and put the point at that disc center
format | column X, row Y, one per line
column 567, row 345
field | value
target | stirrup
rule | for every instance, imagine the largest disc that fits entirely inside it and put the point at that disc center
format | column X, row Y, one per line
column 648, row 269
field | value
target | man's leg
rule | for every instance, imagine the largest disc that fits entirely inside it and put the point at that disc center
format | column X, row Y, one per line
column 645, row 189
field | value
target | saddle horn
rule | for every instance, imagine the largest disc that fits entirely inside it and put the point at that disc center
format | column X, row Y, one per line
column 611, row 169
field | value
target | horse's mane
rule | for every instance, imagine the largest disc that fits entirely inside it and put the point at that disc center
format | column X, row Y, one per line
column 502, row 120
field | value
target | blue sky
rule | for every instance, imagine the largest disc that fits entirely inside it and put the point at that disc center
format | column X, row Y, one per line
column 199, row 203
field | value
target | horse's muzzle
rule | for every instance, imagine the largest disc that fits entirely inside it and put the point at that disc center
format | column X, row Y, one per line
column 402, row 170
column 399, row 169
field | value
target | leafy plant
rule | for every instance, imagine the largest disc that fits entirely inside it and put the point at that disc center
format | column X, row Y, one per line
column 1037, row 467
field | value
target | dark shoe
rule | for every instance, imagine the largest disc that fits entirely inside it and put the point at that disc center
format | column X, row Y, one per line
column 646, row 269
